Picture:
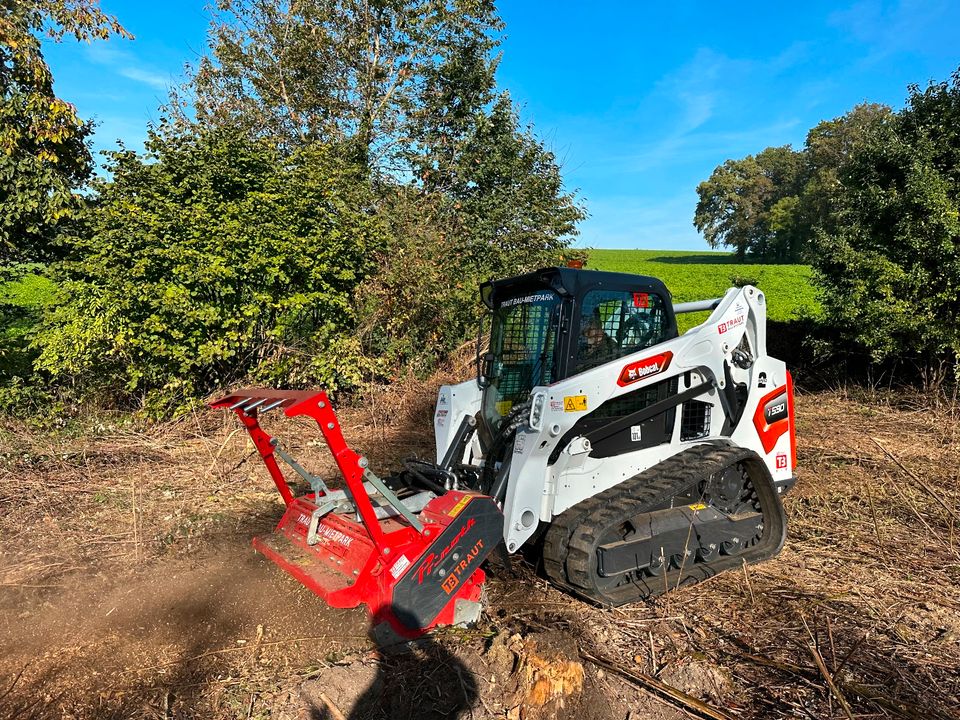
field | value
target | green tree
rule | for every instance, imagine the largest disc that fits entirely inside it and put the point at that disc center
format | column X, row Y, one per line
column 889, row 264
column 751, row 205
column 342, row 70
column 44, row 158
column 407, row 88
column 211, row 260
column 829, row 146
column 771, row 205
column 512, row 210
column 495, row 209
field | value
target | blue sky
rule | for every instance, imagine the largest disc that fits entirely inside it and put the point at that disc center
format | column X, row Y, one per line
column 640, row 101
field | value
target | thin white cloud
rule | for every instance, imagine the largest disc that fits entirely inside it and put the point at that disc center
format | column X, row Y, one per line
column 147, row 77
column 126, row 65
column 695, row 117
column 888, row 28
column 697, row 145
column 702, row 90
column 103, row 53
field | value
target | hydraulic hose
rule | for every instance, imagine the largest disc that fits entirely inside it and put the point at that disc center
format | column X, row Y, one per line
column 424, row 480
column 506, row 431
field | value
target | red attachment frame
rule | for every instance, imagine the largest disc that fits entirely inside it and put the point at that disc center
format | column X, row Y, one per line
column 408, row 577
column 317, row 406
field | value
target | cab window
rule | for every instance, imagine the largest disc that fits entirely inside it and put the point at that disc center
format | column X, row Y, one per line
column 614, row 323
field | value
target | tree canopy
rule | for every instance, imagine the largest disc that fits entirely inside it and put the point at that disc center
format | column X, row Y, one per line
column 388, row 75
column 750, row 204
column 318, row 206
column 889, row 259
column 872, row 202
column 44, row 158
column 768, row 205
column 407, row 90
column 210, row 260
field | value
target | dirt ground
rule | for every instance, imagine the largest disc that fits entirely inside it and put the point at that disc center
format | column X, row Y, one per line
column 128, row 589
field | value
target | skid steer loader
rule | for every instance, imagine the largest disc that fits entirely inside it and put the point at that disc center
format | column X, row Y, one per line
column 633, row 459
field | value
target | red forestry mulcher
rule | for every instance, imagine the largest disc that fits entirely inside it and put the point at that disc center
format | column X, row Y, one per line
column 414, row 562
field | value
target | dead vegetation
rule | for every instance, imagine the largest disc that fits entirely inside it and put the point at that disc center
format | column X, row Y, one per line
column 127, row 589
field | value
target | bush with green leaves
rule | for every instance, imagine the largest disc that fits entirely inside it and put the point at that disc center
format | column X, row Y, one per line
column 211, row 260
column 889, row 269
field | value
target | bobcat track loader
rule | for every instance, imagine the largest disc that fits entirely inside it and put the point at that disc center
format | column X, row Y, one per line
column 633, row 459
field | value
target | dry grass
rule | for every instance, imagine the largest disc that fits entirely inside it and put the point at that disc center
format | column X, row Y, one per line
column 858, row 617
column 860, row 613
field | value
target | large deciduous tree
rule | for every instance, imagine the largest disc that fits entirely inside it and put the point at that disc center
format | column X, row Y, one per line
column 406, row 89
column 750, row 204
column 367, row 71
column 44, row 158
column 829, row 146
column 494, row 208
column 770, row 205
column 335, row 179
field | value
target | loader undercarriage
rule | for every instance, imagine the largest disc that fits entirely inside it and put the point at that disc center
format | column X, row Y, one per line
column 704, row 510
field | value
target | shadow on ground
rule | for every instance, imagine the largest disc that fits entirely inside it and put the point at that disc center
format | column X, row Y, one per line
column 419, row 679
column 707, row 259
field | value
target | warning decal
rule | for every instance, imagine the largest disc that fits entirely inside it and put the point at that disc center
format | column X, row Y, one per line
column 575, row 403
column 461, row 504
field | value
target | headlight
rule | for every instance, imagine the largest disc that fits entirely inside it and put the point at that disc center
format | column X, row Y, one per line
column 536, row 410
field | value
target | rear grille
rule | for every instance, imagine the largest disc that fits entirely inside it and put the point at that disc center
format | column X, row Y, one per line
column 695, row 420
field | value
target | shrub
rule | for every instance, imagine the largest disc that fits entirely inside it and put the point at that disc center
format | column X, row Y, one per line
column 210, row 259
column 890, row 270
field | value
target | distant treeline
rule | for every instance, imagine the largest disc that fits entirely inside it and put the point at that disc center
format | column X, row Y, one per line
column 871, row 202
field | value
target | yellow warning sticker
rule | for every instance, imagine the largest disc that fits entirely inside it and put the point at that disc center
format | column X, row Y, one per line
column 455, row 510
column 503, row 407
column 698, row 506
column 575, row 403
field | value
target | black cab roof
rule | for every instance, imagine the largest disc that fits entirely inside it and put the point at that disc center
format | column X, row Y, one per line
column 567, row 281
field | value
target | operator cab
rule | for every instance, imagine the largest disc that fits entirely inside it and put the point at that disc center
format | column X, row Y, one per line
column 557, row 322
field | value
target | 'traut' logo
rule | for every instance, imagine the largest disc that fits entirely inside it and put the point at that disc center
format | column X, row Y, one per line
column 459, row 570
column 430, row 562
column 730, row 324
column 641, row 369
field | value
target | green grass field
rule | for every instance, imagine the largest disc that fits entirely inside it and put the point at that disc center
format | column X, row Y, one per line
column 702, row 275
column 21, row 303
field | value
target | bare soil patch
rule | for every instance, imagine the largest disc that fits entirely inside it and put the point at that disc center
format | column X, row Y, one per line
column 128, row 589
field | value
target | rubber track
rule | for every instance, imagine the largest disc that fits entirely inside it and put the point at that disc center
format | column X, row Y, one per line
column 569, row 550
